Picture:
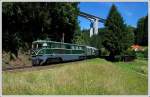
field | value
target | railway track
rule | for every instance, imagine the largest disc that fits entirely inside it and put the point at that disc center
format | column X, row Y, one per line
column 30, row 68
column 16, row 68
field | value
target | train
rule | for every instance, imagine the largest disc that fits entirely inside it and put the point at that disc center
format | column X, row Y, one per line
column 45, row 51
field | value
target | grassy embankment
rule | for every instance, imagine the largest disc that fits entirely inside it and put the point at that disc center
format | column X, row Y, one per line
column 95, row 76
column 23, row 59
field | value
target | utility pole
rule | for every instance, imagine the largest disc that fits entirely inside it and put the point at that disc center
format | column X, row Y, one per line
column 63, row 37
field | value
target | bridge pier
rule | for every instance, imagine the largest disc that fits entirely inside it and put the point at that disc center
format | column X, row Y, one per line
column 93, row 27
column 94, row 22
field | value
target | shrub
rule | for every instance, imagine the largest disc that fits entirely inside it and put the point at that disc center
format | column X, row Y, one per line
column 145, row 53
column 104, row 52
column 142, row 54
column 129, row 52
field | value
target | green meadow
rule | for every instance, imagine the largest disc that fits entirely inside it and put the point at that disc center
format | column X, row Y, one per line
column 87, row 77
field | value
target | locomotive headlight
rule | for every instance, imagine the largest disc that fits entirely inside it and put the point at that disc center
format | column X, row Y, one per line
column 44, row 44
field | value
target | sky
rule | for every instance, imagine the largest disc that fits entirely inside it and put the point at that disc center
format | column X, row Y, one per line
column 130, row 11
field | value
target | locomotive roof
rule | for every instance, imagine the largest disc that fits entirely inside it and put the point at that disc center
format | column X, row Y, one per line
column 91, row 47
column 41, row 41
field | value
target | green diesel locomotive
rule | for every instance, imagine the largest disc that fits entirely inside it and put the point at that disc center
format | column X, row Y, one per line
column 44, row 51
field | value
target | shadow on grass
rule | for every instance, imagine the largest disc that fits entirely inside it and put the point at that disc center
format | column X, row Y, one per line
column 118, row 58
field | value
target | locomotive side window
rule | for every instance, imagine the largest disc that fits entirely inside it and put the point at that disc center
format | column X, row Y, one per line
column 55, row 45
column 68, row 46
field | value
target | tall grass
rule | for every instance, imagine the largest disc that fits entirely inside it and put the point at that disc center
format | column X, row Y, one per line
column 138, row 65
column 95, row 76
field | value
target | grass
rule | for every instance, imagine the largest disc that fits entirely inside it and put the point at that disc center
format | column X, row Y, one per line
column 95, row 77
column 139, row 65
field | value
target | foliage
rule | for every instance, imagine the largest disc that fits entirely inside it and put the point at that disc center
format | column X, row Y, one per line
column 138, row 65
column 29, row 21
column 82, row 37
column 129, row 52
column 95, row 41
column 104, row 52
column 130, row 35
column 118, row 36
column 142, row 54
column 141, row 31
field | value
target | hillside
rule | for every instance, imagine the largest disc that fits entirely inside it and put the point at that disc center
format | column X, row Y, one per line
column 94, row 76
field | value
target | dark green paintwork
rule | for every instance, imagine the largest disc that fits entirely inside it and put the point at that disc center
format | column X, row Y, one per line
column 60, row 48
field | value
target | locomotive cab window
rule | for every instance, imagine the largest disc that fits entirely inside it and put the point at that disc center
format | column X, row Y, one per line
column 33, row 46
column 37, row 45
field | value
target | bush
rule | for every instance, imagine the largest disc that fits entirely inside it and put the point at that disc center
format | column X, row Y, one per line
column 145, row 53
column 118, row 58
column 129, row 52
column 128, row 55
column 104, row 52
column 142, row 54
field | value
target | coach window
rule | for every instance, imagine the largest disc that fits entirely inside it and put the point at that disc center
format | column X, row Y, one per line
column 77, row 48
column 54, row 45
column 49, row 45
column 80, row 48
column 57, row 45
column 72, row 47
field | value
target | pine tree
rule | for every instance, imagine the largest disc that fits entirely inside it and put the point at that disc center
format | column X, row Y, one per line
column 116, row 37
column 141, row 31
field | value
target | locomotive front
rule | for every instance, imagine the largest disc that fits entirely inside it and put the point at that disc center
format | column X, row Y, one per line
column 37, row 53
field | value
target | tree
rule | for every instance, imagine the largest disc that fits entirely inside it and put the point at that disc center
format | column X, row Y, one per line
column 64, row 20
column 96, row 40
column 116, row 39
column 141, row 32
column 82, row 37
column 131, row 36
column 29, row 21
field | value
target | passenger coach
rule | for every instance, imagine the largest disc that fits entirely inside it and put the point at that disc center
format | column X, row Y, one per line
column 44, row 52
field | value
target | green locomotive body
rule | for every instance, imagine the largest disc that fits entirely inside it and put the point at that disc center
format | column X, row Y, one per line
column 44, row 51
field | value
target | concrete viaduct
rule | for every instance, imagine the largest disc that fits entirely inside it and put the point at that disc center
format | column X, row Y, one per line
column 94, row 22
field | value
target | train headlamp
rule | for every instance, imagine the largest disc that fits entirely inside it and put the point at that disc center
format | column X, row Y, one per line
column 44, row 44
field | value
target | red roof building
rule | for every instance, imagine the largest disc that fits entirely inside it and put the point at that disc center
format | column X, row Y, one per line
column 137, row 48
